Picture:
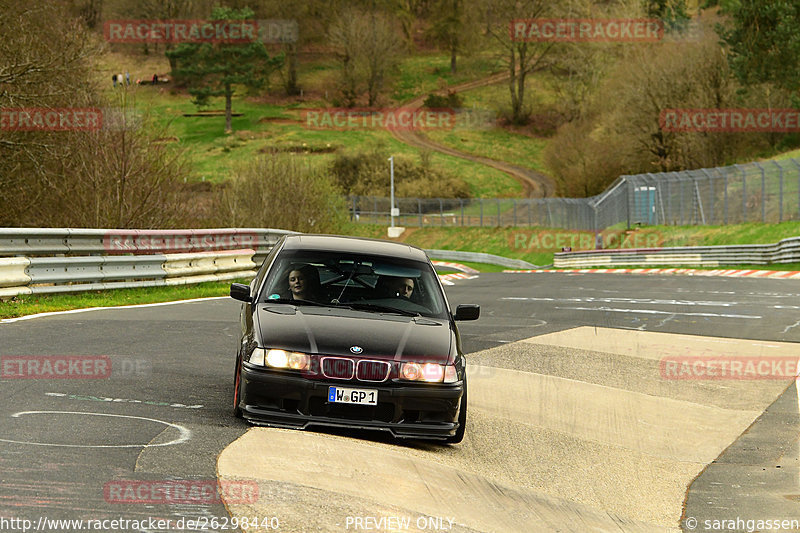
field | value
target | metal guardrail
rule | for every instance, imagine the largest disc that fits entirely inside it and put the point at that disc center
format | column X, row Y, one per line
column 784, row 251
column 45, row 275
column 53, row 241
column 54, row 260
column 479, row 257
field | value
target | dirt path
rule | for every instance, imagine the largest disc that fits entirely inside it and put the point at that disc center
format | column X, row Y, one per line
column 534, row 184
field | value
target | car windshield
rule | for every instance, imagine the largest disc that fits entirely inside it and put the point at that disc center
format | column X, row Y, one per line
column 370, row 283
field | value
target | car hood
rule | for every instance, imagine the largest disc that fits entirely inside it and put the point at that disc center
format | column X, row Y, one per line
column 333, row 331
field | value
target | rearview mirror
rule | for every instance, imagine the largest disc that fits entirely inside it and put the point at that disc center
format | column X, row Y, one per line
column 241, row 292
column 467, row 312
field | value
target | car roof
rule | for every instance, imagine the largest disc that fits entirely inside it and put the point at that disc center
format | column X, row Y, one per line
column 359, row 245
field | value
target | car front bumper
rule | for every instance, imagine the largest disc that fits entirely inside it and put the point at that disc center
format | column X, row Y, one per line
column 406, row 410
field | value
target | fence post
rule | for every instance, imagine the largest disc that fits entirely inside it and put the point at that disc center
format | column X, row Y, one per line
column 744, row 192
column 515, row 212
column 419, row 210
column 797, row 165
column 498, row 212
column 441, row 212
column 780, row 190
column 481, row 202
column 461, row 201
column 530, row 205
column 763, row 193
column 725, row 193
column 710, row 196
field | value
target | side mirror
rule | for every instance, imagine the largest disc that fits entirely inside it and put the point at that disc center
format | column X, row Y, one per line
column 241, row 292
column 467, row 312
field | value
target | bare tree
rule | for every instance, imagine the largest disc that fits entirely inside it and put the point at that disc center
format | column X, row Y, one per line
column 278, row 191
column 520, row 58
column 45, row 62
column 368, row 49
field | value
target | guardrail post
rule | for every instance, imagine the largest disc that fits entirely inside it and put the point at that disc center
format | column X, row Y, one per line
column 498, row 212
column 461, row 201
column 481, row 202
column 441, row 212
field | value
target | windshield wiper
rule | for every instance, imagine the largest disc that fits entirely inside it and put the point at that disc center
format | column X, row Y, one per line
column 377, row 307
column 295, row 302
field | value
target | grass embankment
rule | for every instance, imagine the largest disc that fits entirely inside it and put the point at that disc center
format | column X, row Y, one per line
column 537, row 245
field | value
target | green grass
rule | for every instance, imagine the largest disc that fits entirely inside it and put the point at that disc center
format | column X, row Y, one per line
column 32, row 303
column 480, row 267
column 214, row 153
column 423, row 74
column 496, row 143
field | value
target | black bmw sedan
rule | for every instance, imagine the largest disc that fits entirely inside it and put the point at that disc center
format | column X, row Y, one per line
column 351, row 332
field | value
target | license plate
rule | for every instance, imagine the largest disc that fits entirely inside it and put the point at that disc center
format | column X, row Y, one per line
column 356, row 396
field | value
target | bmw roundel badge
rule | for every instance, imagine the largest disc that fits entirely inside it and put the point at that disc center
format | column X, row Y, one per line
column 356, row 349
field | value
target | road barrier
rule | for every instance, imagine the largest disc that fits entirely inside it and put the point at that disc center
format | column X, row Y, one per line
column 57, row 260
column 785, row 251
column 479, row 257
column 42, row 275
column 29, row 242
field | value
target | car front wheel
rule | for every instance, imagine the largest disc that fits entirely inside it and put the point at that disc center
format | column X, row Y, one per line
column 462, row 418
column 237, row 391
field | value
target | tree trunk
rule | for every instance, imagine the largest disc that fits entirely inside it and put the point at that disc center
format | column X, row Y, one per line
column 228, row 106
column 291, row 71
column 453, row 49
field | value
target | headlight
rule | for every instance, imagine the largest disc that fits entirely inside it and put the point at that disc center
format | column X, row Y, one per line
column 428, row 372
column 280, row 359
column 284, row 359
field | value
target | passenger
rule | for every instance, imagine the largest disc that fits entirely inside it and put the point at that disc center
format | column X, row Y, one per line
column 304, row 284
column 390, row 286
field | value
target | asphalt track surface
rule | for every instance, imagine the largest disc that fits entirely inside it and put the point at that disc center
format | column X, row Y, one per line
column 572, row 424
